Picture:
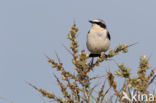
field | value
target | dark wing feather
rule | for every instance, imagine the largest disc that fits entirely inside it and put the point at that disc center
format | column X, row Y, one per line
column 108, row 36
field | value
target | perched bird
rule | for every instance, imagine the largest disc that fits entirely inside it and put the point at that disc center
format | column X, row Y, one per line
column 98, row 38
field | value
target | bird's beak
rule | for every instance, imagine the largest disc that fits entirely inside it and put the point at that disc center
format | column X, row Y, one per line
column 90, row 21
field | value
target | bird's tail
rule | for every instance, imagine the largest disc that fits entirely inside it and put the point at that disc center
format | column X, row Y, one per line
column 94, row 55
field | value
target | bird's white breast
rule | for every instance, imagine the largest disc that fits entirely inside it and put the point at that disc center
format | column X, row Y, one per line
column 97, row 41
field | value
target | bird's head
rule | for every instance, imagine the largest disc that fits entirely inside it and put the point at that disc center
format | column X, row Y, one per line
column 98, row 22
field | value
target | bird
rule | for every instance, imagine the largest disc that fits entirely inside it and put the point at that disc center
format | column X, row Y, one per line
column 98, row 38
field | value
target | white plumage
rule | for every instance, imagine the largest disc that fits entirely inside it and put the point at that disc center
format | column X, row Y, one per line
column 98, row 38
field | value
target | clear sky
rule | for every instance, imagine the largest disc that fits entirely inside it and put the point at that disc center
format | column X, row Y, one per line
column 31, row 28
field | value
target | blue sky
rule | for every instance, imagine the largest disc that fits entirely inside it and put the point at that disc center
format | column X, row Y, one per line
column 31, row 28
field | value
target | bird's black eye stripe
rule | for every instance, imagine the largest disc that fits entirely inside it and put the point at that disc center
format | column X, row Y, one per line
column 101, row 24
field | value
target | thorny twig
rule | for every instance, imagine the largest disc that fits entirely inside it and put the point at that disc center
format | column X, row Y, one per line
column 152, row 79
column 7, row 100
column 57, row 57
column 97, row 77
column 67, row 49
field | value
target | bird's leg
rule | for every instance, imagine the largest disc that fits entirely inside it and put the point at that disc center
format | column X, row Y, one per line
column 92, row 61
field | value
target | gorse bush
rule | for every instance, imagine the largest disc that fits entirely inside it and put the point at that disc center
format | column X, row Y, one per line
column 77, row 88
